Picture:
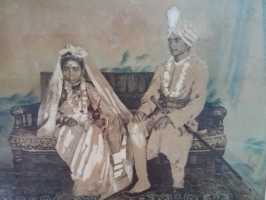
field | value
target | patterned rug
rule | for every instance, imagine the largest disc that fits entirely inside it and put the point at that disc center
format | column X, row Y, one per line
column 54, row 183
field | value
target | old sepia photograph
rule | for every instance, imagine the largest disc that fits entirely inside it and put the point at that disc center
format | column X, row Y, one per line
column 132, row 99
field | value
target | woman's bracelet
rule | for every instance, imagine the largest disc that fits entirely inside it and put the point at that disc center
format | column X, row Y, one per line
column 64, row 120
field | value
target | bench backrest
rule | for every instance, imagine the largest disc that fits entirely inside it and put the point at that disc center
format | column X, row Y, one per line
column 129, row 87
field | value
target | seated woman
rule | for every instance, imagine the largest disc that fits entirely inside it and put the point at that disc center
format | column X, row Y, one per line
column 89, row 123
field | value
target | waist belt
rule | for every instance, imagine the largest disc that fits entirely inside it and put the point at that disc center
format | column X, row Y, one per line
column 181, row 103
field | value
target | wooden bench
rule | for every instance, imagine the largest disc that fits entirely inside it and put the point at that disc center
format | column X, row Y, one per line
column 130, row 88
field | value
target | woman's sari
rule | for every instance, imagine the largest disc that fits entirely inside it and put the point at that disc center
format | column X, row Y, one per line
column 97, row 151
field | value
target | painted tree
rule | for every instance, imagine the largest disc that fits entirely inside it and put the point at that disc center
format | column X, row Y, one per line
column 123, row 68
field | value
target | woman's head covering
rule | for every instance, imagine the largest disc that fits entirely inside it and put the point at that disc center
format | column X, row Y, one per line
column 49, row 106
column 186, row 30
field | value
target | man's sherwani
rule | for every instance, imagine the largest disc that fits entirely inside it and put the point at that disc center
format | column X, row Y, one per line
column 174, row 141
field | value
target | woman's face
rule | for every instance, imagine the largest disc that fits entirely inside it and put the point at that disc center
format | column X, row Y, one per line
column 72, row 72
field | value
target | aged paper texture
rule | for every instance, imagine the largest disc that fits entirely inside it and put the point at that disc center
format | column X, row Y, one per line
column 114, row 83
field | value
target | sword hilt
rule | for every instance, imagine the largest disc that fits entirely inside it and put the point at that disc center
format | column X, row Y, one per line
column 165, row 112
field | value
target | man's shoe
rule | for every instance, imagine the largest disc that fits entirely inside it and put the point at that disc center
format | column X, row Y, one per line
column 178, row 190
column 172, row 190
column 129, row 194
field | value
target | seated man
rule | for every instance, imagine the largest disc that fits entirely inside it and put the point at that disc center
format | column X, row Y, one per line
column 179, row 86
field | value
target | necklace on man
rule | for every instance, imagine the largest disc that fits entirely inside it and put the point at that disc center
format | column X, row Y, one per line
column 167, row 81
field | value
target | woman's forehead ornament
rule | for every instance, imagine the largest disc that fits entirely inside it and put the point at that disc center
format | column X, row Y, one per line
column 185, row 29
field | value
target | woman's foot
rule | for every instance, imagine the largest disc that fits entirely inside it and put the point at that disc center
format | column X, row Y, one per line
column 141, row 185
column 139, row 189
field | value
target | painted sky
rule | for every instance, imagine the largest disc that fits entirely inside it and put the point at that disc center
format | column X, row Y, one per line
column 34, row 31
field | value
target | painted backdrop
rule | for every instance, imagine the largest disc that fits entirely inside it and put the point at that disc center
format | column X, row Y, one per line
column 233, row 44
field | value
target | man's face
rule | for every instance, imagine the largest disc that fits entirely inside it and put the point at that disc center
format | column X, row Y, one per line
column 72, row 72
column 176, row 45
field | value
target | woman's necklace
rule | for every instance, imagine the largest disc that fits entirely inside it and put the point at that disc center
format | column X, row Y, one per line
column 78, row 100
column 76, row 94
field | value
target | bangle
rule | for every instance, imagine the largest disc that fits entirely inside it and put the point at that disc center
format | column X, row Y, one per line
column 65, row 118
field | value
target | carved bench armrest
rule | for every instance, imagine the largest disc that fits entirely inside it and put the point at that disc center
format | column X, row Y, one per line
column 25, row 116
column 212, row 118
column 23, row 110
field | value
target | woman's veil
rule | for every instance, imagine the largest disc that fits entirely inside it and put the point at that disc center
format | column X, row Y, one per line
column 49, row 105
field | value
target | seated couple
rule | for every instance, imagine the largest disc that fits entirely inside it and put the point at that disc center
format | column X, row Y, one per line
column 91, row 123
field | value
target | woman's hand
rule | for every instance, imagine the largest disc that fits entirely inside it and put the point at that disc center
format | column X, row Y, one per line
column 98, row 123
column 139, row 117
column 71, row 122
column 161, row 123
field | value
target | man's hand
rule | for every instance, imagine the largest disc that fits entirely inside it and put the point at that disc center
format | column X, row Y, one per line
column 161, row 123
column 71, row 122
column 139, row 117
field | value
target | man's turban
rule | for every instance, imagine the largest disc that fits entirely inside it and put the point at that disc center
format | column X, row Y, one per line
column 186, row 30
